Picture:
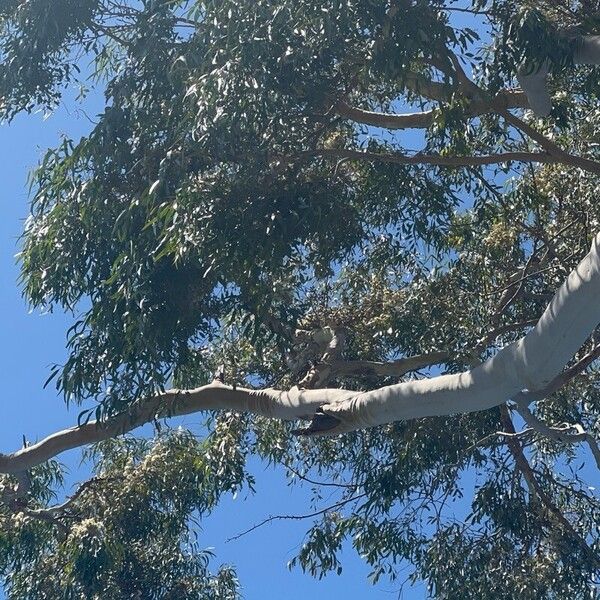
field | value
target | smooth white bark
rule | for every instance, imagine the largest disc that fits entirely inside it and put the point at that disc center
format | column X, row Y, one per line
column 531, row 363
column 285, row 405
column 535, row 85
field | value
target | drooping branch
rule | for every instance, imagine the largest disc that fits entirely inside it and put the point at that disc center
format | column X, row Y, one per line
column 311, row 515
column 538, row 494
column 566, row 433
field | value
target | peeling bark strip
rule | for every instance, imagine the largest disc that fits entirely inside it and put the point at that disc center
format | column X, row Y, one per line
column 535, row 85
column 531, row 363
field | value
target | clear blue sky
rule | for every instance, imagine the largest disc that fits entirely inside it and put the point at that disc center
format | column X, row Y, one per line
column 31, row 343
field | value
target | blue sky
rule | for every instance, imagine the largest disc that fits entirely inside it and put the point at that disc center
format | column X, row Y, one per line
column 32, row 342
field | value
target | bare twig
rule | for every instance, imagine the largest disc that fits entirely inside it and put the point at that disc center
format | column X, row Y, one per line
column 295, row 517
column 320, row 483
column 566, row 433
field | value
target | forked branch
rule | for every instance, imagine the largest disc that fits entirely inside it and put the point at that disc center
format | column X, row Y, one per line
column 532, row 363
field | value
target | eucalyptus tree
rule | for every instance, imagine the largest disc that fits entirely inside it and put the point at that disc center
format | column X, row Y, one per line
column 249, row 230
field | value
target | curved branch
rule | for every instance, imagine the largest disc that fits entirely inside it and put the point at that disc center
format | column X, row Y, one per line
column 562, row 434
column 549, row 146
column 287, row 405
column 433, row 159
column 531, row 363
column 555, row 514
column 422, row 120
column 419, row 120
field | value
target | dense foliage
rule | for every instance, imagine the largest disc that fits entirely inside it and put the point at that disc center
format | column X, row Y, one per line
column 223, row 209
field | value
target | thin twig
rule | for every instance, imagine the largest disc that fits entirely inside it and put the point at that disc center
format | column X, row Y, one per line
column 320, row 483
column 566, row 433
column 538, row 493
column 296, row 517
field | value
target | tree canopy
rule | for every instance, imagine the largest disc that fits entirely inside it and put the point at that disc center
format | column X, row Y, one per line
column 357, row 234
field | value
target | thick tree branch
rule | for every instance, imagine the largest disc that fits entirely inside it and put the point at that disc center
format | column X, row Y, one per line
column 290, row 405
column 422, row 120
column 419, row 120
column 525, row 398
column 531, row 363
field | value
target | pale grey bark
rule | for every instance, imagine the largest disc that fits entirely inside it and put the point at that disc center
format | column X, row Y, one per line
column 286, row 405
column 567, row 433
column 535, row 84
column 532, row 364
